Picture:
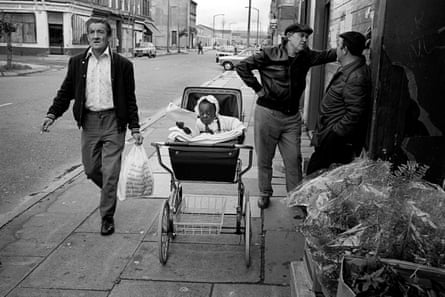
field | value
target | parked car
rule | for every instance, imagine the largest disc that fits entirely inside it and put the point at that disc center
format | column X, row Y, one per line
column 222, row 51
column 229, row 62
column 145, row 49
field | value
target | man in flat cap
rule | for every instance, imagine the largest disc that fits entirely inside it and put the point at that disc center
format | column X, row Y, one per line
column 283, row 70
column 341, row 127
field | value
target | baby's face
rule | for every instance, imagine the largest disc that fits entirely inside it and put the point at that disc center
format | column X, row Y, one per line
column 207, row 112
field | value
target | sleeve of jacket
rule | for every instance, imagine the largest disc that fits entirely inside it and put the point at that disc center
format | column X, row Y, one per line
column 246, row 66
column 132, row 108
column 323, row 57
column 66, row 92
column 356, row 95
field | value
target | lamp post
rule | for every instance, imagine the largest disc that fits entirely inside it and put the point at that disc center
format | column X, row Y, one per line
column 248, row 23
column 213, row 30
column 257, row 21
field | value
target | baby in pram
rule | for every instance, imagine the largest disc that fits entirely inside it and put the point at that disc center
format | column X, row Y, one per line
column 210, row 126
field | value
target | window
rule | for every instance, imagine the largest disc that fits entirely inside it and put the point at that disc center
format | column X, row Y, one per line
column 79, row 29
column 25, row 27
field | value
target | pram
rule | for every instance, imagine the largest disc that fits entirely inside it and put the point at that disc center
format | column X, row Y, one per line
column 210, row 163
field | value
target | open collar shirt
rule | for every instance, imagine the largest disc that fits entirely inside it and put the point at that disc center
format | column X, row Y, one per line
column 99, row 91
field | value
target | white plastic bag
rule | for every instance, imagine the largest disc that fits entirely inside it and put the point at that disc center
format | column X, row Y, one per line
column 135, row 178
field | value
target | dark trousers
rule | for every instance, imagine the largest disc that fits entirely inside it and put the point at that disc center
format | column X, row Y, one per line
column 102, row 146
column 333, row 149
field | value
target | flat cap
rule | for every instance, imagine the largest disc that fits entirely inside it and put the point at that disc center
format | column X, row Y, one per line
column 298, row 28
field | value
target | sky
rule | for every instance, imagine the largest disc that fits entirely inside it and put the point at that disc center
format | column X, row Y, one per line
column 235, row 14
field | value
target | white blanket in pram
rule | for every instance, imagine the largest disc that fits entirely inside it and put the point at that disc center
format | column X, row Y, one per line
column 177, row 134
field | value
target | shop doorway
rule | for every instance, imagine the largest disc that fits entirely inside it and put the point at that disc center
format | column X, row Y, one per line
column 55, row 28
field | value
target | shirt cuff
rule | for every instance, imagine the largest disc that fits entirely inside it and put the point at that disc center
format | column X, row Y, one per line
column 51, row 116
column 135, row 130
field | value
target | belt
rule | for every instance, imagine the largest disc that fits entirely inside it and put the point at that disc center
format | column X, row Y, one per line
column 100, row 111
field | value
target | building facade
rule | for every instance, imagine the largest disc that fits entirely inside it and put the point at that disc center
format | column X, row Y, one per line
column 176, row 20
column 406, row 59
column 58, row 27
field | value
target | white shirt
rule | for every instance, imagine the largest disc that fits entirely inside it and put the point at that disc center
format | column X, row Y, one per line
column 99, row 91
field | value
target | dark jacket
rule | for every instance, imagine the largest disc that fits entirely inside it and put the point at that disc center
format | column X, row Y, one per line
column 74, row 85
column 345, row 107
column 282, row 79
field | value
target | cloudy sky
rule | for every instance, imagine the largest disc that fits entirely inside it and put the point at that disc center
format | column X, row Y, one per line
column 235, row 13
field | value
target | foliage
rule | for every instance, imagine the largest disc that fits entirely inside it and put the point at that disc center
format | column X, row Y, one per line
column 365, row 209
column 376, row 278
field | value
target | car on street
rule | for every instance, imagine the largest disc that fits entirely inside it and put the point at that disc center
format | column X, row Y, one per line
column 145, row 49
column 229, row 62
column 226, row 50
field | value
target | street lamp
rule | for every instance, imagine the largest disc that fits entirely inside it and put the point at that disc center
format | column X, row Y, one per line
column 213, row 30
column 248, row 23
column 257, row 21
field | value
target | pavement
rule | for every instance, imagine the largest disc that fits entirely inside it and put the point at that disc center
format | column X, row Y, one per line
column 36, row 64
column 54, row 248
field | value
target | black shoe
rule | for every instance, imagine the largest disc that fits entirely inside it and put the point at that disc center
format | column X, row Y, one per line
column 107, row 226
column 263, row 202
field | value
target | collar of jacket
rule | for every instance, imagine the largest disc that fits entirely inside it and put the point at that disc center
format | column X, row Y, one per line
column 284, row 55
column 86, row 57
column 352, row 66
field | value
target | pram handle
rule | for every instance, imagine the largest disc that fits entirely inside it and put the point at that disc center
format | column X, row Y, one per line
column 217, row 145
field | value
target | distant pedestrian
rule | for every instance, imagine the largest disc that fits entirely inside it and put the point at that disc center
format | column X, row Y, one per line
column 341, row 128
column 283, row 69
column 101, row 83
column 200, row 50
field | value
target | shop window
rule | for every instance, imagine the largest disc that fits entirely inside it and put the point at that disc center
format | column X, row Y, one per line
column 25, row 25
column 79, row 29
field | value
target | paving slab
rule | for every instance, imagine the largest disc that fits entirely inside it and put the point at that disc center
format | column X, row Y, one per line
column 242, row 290
column 161, row 187
column 13, row 270
column 132, row 216
column 38, row 235
column 279, row 217
column 40, row 229
column 160, row 289
column 31, row 292
column 195, row 263
column 281, row 248
column 85, row 261
column 82, row 196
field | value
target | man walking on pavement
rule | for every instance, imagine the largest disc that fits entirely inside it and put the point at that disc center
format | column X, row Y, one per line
column 283, row 69
column 102, row 85
column 341, row 127
column 200, row 51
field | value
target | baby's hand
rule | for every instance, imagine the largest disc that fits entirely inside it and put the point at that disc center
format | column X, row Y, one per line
column 180, row 125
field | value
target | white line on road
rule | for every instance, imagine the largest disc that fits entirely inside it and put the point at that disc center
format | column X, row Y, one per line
column 6, row 104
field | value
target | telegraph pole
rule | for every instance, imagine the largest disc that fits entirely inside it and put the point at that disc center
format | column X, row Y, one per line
column 248, row 24
column 168, row 25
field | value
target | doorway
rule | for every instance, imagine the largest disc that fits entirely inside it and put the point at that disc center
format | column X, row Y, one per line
column 55, row 31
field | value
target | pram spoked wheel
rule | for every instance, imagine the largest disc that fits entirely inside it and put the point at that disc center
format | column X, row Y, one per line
column 164, row 231
column 247, row 230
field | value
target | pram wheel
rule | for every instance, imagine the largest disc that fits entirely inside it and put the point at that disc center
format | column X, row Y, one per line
column 164, row 231
column 247, row 230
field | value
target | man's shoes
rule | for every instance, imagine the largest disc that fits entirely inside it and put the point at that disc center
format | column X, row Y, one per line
column 263, row 202
column 107, row 226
